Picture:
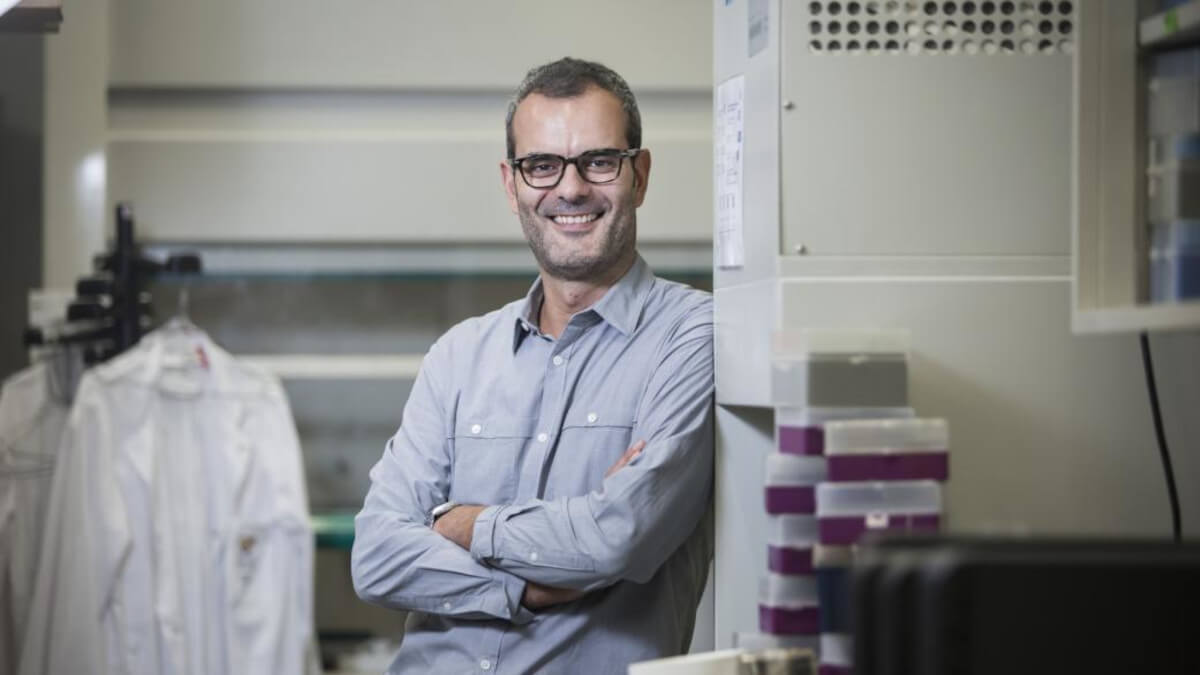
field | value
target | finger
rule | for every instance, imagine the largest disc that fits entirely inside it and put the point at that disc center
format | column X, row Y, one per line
column 628, row 456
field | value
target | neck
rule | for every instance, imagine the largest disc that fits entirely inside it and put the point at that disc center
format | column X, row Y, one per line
column 563, row 299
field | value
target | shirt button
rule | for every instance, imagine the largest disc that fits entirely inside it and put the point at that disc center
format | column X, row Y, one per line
column 542, row 438
column 485, row 664
column 533, row 556
column 558, row 360
column 592, row 418
column 475, row 428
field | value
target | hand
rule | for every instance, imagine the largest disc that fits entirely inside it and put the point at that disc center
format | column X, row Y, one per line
column 630, row 454
column 458, row 524
column 538, row 596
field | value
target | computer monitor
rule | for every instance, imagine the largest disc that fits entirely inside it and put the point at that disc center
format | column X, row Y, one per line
column 978, row 606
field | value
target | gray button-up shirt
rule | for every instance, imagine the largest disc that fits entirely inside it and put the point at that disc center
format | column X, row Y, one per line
column 505, row 416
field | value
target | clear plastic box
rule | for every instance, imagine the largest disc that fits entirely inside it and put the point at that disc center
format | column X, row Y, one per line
column 790, row 480
column 897, row 449
column 801, row 431
column 1174, row 275
column 845, row 511
column 787, row 605
column 825, row 368
column 837, row 649
column 1173, row 178
column 790, row 542
column 1182, row 234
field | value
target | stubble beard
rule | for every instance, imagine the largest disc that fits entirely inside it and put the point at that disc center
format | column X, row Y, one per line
column 618, row 244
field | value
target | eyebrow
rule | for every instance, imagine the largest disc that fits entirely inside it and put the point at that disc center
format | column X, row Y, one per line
column 535, row 154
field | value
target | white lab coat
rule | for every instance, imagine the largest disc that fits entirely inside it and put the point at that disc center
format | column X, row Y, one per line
column 31, row 423
column 177, row 539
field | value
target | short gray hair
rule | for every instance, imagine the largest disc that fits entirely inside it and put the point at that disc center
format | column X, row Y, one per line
column 568, row 77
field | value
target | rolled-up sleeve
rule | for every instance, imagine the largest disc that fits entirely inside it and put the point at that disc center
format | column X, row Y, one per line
column 398, row 561
column 643, row 512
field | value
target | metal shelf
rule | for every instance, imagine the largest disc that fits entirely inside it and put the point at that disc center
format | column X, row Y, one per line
column 686, row 259
column 333, row 530
column 1172, row 28
column 338, row 366
column 1176, row 316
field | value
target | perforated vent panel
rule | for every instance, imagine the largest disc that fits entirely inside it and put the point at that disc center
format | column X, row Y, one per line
column 972, row 28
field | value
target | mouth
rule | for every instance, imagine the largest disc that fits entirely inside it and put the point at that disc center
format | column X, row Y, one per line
column 576, row 222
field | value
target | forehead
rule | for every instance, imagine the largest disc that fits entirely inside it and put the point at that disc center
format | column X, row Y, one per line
column 594, row 119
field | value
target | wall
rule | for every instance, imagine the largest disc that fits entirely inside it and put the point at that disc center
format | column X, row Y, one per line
column 310, row 121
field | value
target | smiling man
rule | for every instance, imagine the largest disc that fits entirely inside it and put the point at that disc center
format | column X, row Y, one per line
column 543, row 506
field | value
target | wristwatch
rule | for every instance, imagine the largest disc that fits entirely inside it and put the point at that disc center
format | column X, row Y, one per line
column 441, row 510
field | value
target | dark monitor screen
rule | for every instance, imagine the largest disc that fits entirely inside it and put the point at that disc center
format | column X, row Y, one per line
column 975, row 606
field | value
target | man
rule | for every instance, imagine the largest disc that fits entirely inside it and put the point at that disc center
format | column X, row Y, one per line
column 542, row 507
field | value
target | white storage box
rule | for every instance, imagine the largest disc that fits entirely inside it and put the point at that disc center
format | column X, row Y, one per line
column 787, row 605
column 899, row 450
column 845, row 511
column 790, row 543
column 801, row 431
column 790, row 482
column 840, row 368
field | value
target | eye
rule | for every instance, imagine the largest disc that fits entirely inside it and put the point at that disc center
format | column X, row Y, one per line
column 605, row 162
column 543, row 165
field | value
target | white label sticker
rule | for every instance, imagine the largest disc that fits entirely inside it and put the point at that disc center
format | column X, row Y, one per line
column 877, row 521
column 730, row 127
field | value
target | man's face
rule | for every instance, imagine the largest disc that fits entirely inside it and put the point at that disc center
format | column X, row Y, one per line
column 579, row 231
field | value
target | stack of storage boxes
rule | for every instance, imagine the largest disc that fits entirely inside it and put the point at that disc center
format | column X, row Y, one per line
column 852, row 458
column 1173, row 175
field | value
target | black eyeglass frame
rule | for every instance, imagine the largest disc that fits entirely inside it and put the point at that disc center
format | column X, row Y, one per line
column 515, row 163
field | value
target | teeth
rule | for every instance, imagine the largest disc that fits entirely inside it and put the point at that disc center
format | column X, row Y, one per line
column 576, row 220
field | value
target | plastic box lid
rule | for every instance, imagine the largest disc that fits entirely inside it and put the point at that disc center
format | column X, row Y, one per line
column 792, row 530
column 857, row 499
column 815, row 416
column 759, row 641
column 786, row 469
column 788, row 590
column 871, row 437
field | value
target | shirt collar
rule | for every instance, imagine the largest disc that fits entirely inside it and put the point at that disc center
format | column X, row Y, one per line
column 621, row 305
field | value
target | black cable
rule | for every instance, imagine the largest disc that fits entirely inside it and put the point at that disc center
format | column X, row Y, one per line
column 1176, row 525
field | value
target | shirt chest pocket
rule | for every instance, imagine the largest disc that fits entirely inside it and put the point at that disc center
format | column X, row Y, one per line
column 600, row 435
column 487, row 458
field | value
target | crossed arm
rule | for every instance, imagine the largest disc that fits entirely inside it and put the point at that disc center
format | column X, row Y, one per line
column 474, row 562
column 458, row 524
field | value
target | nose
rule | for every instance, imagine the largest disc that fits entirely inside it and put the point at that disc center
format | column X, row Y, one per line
column 572, row 188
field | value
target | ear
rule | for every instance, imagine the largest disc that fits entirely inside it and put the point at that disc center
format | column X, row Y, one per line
column 641, row 177
column 508, row 177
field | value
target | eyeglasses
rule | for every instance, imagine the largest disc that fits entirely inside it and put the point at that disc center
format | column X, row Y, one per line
column 544, row 171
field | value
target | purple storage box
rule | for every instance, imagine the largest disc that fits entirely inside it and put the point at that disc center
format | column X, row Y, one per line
column 787, row 605
column 846, row 511
column 790, row 543
column 790, row 481
column 801, row 431
column 892, row 450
